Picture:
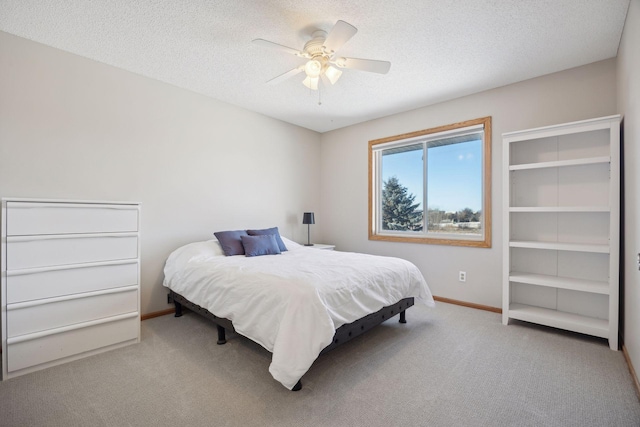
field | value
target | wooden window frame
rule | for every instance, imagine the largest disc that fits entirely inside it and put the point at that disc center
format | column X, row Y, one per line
column 485, row 242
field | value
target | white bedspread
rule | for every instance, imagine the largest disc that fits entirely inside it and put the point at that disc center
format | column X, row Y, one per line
column 291, row 303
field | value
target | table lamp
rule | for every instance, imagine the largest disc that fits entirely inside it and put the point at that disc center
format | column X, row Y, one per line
column 308, row 218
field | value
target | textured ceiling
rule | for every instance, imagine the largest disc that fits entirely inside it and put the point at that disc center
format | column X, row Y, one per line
column 439, row 49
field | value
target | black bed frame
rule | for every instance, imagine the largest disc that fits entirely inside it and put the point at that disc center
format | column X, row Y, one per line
column 343, row 334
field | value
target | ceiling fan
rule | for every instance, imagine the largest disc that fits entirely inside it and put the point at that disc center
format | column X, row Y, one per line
column 321, row 60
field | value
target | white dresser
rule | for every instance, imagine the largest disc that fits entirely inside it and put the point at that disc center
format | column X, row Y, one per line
column 70, row 281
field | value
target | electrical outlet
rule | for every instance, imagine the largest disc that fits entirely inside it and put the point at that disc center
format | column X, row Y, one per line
column 462, row 276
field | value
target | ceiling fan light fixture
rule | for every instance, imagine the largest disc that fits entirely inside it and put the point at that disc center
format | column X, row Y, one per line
column 333, row 74
column 311, row 82
column 313, row 68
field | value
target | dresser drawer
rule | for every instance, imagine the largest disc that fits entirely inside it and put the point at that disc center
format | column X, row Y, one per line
column 58, row 281
column 27, row 351
column 31, row 218
column 40, row 315
column 43, row 251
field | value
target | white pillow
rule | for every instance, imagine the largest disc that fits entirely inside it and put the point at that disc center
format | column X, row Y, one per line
column 191, row 252
column 197, row 251
column 214, row 248
column 290, row 244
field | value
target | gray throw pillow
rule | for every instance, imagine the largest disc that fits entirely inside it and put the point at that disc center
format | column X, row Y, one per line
column 265, row 244
column 231, row 241
column 274, row 231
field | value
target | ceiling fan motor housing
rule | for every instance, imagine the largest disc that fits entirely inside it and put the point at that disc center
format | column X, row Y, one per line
column 318, row 58
column 314, row 47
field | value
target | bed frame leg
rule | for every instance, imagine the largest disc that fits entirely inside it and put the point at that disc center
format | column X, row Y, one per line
column 298, row 386
column 222, row 339
column 178, row 308
column 403, row 317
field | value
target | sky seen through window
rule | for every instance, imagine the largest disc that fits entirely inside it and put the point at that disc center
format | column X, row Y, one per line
column 454, row 175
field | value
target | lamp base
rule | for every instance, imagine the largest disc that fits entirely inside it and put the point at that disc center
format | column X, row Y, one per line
column 308, row 244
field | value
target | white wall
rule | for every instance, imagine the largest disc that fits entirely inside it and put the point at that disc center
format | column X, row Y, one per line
column 74, row 128
column 629, row 105
column 580, row 93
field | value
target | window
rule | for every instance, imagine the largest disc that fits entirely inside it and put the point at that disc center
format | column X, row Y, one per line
column 445, row 169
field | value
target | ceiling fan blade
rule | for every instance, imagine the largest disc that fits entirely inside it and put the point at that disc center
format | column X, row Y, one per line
column 371, row 65
column 272, row 45
column 285, row 76
column 338, row 36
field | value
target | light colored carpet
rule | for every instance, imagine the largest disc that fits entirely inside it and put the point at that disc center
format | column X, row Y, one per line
column 448, row 366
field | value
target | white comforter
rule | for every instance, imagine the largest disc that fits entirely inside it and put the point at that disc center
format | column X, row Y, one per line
column 291, row 303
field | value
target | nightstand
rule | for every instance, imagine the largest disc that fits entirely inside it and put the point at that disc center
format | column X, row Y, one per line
column 322, row 246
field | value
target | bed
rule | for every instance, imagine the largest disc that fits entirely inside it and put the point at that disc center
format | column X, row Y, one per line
column 297, row 304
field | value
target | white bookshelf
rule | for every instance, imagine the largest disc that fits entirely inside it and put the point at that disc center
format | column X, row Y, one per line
column 561, row 192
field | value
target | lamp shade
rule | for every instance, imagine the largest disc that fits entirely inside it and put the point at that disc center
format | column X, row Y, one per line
column 311, row 82
column 333, row 74
column 308, row 218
